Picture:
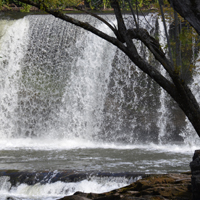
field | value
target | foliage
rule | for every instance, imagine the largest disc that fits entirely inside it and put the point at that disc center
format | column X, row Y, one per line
column 187, row 39
column 141, row 3
column 93, row 4
column 124, row 4
column 61, row 4
column 7, row 3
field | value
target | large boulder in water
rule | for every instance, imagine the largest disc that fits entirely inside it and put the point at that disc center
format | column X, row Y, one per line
column 195, row 169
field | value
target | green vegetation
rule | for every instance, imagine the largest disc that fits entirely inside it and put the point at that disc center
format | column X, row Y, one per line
column 90, row 4
column 61, row 4
column 9, row 3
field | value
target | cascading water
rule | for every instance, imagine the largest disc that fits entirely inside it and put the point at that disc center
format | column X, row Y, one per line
column 70, row 84
column 12, row 49
column 189, row 135
column 62, row 82
column 71, row 101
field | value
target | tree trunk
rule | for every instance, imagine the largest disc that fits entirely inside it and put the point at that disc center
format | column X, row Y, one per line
column 189, row 10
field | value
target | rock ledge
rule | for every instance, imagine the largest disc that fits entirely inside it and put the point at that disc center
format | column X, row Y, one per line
column 152, row 187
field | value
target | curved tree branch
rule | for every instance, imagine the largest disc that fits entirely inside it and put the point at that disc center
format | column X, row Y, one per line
column 177, row 89
column 189, row 10
column 153, row 45
column 130, row 50
column 113, row 28
column 84, row 25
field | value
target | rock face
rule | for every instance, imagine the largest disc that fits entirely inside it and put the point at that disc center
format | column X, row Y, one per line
column 153, row 187
column 27, row 177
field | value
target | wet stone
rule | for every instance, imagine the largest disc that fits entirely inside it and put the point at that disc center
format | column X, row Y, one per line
column 151, row 187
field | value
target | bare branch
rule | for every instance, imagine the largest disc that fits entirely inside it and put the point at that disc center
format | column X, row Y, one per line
column 136, row 24
column 84, row 25
column 177, row 89
column 165, row 27
column 99, row 18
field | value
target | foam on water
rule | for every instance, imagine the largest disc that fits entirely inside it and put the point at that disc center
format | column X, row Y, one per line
column 68, row 144
column 51, row 191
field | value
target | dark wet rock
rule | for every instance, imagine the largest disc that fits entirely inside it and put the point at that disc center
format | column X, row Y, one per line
column 16, row 177
column 9, row 198
column 74, row 197
column 152, row 187
column 195, row 180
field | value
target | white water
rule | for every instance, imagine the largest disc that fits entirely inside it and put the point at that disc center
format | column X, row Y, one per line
column 59, row 189
column 189, row 135
column 54, row 85
column 12, row 47
column 67, row 105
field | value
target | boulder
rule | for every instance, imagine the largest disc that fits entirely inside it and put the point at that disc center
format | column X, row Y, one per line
column 195, row 180
column 152, row 187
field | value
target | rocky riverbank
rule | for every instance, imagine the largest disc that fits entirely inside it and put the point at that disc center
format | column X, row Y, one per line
column 152, row 187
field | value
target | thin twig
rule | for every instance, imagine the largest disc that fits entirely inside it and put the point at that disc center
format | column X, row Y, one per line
column 137, row 26
column 165, row 27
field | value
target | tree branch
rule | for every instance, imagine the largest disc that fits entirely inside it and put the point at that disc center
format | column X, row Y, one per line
column 153, row 45
column 130, row 50
column 165, row 27
column 177, row 90
column 120, row 22
column 136, row 23
column 189, row 10
column 114, row 29
column 84, row 25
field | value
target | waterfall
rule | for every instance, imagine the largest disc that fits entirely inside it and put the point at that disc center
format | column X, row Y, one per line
column 13, row 45
column 87, row 87
column 189, row 133
column 59, row 81
column 73, row 104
